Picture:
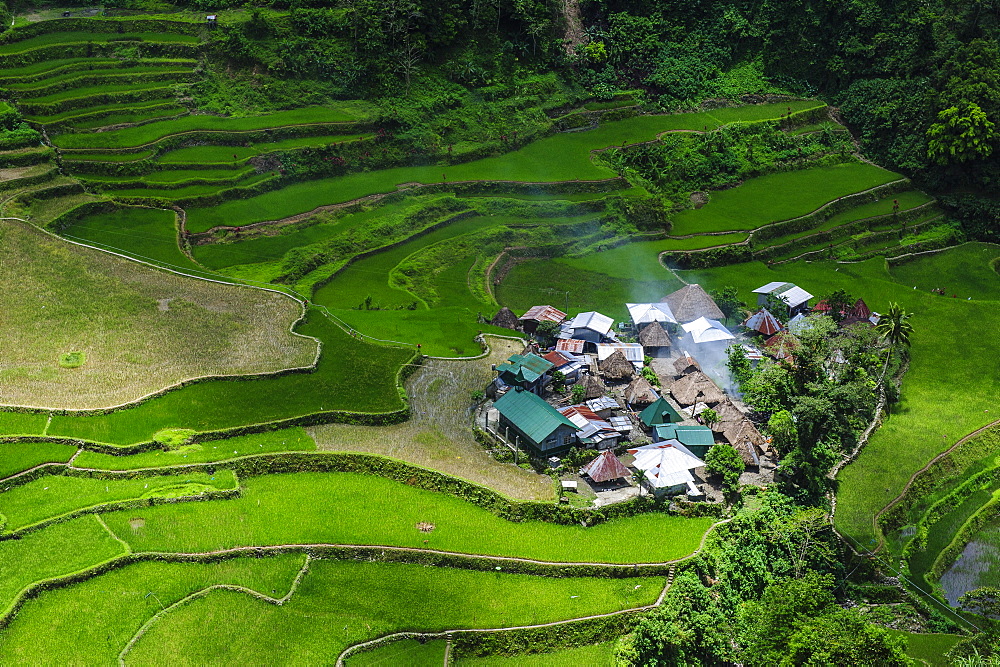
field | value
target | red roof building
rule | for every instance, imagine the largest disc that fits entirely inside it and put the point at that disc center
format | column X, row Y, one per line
column 538, row 314
column 605, row 468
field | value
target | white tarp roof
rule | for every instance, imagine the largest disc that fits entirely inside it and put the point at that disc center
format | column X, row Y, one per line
column 592, row 320
column 666, row 463
column 603, row 403
column 704, row 330
column 645, row 313
column 770, row 287
column 787, row 292
column 632, row 351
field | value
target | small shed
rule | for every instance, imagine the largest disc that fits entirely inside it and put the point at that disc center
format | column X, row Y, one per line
column 616, row 367
column 538, row 314
column 691, row 302
column 603, row 406
column 632, row 351
column 763, row 322
column 605, row 467
column 654, row 339
column 659, row 412
column 506, row 319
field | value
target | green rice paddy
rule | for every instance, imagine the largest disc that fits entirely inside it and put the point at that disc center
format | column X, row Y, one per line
column 341, row 506
column 93, row 114
column 52, row 496
column 224, row 154
column 17, row 457
column 211, row 451
column 54, row 38
column 79, row 96
column 137, row 116
column 780, row 196
column 218, row 404
column 138, row 136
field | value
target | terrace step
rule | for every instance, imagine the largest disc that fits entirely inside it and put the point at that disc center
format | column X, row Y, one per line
column 100, row 111
column 93, row 98
column 43, row 212
column 22, row 157
column 16, row 177
column 55, row 68
column 91, row 79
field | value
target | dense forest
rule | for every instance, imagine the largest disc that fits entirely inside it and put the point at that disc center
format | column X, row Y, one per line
column 916, row 83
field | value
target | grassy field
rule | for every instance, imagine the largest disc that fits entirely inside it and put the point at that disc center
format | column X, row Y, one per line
column 53, row 70
column 437, row 436
column 52, row 496
column 928, row 649
column 147, row 233
column 224, row 154
column 219, row 404
column 271, row 510
column 572, row 289
column 562, row 157
column 780, row 196
column 58, row 550
column 137, row 136
column 139, row 115
column 403, row 653
column 53, row 38
column 140, row 329
column 28, row 88
column 272, row 248
column 970, row 269
column 92, row 621
column 16, row 423
column 596, row 655
column 907, row 200
column 211, row 451
column 354, row 602
column 640, row 260
column 16, row 457
column 77, row 97
column 185, row 191
column 94, row 113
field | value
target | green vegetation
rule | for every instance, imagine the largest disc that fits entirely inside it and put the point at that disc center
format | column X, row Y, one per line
column 49, row 497
column 146, row 233
column 72, row 359
column 93, row 620
column 597, row 655
column 16, row 457
column 54, row 38
column 145, row 134
column 350, row 501
column 210, row 451
column 779, row 197
column 369, row 600
column 224, row 154
column 212, row 405
column 403, row 652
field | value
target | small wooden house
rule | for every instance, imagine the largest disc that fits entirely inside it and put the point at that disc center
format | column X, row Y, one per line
column 654, row 339
column 538, row 314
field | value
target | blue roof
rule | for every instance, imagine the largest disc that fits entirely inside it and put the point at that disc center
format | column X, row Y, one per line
column 531, row 415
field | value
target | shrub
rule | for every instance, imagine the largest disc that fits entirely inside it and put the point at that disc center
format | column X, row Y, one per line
column 72, row 359
column 725, row 461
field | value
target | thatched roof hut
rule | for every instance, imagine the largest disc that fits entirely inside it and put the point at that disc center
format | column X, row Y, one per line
column 506, row 318
column 694, row 388
column 747, row 440
column 684, row 365
column 640, row 392
column 654, row 335
column 691, row 302
column 593, row 387
column 616, row 367
column 729, row 415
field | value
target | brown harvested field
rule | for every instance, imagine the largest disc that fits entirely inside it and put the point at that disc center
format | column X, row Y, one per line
column 439, row 435
column 141, row 329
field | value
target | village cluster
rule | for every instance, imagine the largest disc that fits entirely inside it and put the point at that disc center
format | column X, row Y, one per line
column 644, row 394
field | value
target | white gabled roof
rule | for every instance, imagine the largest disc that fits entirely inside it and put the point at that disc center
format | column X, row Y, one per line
column 791, row 294
column 704, row 330
column 770, row 287
column 592, row 320
column 795, row 296
column 646, row 313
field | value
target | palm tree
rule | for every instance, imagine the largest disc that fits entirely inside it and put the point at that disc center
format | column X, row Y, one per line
column 894, row 330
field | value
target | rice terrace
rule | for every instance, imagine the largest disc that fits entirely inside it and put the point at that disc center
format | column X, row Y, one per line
column 559, row 333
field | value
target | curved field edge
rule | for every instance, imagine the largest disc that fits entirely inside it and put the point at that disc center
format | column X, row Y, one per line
column 110, row 263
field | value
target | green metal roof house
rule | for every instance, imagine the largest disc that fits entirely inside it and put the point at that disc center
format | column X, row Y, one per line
column 699, row 439
column 527, row 371
column 659, row 412
column 528, row 421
